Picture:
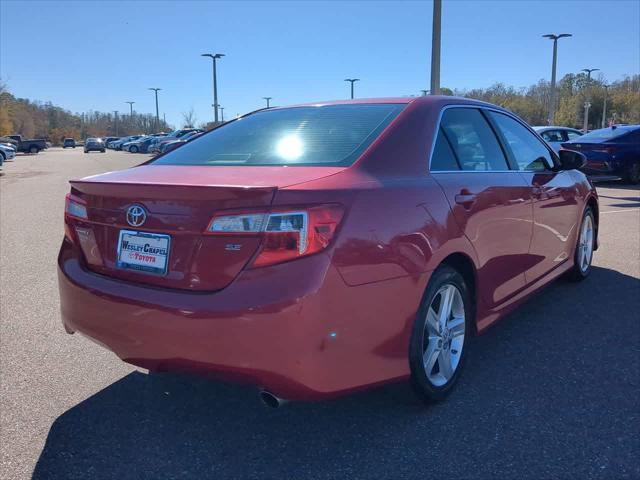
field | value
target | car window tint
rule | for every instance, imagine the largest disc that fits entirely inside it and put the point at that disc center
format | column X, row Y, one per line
column 552, row 136
column 443, row 158
column 529, row 152
column 331, row 135
column 571, row 134
column 472, row 139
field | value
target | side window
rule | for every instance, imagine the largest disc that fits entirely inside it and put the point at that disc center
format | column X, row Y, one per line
column 552, row 136
column 529, row 153
column 443, row 158
column 571, row 134
column 474, row 143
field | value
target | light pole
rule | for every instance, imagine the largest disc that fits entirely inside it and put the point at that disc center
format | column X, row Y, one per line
column 585, row 126
column 352, row 81
column 435, row 47
column 424, row 92
column 130, row 108
column 589, row 70
column 604, row 107
column 588, row 100
column 214, row 57
column 268, row 99
column 221, row 114
column 552, row 99
column 115, row 119
column 157, row 111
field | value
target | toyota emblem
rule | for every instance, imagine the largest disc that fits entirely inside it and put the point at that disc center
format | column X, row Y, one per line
column 136, row 215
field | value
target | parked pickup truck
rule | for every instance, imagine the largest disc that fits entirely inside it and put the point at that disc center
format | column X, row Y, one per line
column 29, row 146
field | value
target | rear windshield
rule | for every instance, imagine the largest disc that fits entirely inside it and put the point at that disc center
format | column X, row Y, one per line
column 603, row 134
column 333, row 135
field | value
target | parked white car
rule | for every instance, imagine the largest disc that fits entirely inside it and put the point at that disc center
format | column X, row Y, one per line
column 555, row 136
column 6, row 153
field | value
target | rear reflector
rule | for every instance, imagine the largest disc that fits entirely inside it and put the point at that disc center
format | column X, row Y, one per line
column 287, row 234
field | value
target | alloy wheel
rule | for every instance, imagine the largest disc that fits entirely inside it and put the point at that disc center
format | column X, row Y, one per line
column 585, row 247
column 444, row 331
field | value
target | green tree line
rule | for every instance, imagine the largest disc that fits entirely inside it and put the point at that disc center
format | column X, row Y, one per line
column 573, row 90
column 44, row 120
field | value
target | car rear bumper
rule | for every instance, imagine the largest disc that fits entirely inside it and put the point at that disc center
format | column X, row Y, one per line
column 295, row 329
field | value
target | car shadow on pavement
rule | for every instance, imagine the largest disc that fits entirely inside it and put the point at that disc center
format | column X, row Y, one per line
column 551, row 391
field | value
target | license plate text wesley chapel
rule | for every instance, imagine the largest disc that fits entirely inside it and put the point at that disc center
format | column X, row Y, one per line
column 143, row 251
column 135, row 250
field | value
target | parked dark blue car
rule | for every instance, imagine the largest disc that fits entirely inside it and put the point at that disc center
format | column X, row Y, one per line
column 612, row 151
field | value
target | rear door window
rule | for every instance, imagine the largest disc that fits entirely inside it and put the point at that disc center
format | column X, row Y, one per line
column 571, row 134
column 472, row 139
column 443, row 158
column 528, row 152
column 553, row 136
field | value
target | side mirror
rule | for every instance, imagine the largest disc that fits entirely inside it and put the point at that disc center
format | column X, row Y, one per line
column 570, row 160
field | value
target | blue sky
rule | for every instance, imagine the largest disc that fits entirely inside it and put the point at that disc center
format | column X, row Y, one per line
column 96, row 55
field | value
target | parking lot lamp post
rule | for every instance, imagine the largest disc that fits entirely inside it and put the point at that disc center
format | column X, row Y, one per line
column 435, row 47
column 552, row 96
column 352, row 81
column 157, row 111
column 221, row 114
column 214, row 57
column 268, row 99
column 115, row 119
column 585, row 127
column 604, row 106
column 425, row 92
column 586, row 112
column 588, row 71
column 130, row 109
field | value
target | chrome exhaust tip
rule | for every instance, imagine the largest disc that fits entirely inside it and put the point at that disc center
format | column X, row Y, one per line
column 270, row 400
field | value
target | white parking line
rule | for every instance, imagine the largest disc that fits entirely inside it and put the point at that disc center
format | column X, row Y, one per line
column 630, row 209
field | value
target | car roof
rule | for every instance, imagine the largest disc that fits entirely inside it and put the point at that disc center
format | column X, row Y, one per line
column 426, row 99
column 553, row 127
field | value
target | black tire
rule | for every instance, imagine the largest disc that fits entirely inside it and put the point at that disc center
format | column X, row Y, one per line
column 578, row 272
column 426, row 389
column 102, row 151
column 632, row 173
column 86, row 151
column 33, row 149
column 133, row 149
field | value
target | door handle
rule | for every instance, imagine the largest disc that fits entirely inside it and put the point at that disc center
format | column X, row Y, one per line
column 465, row 199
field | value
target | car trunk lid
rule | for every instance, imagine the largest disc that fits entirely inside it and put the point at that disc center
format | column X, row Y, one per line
column 179, row 202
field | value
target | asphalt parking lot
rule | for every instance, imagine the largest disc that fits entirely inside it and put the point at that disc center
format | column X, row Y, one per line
column 552, row 391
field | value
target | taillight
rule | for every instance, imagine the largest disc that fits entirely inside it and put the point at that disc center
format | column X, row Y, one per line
column 75, row 207
column 287, row 234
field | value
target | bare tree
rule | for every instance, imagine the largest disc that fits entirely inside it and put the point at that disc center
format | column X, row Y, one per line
column 189, row 118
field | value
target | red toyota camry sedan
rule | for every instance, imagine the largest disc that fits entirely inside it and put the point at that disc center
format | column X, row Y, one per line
column 319, row 249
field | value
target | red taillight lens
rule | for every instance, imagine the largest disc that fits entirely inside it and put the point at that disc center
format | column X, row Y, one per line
column 288, row 234
column 75, row 207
